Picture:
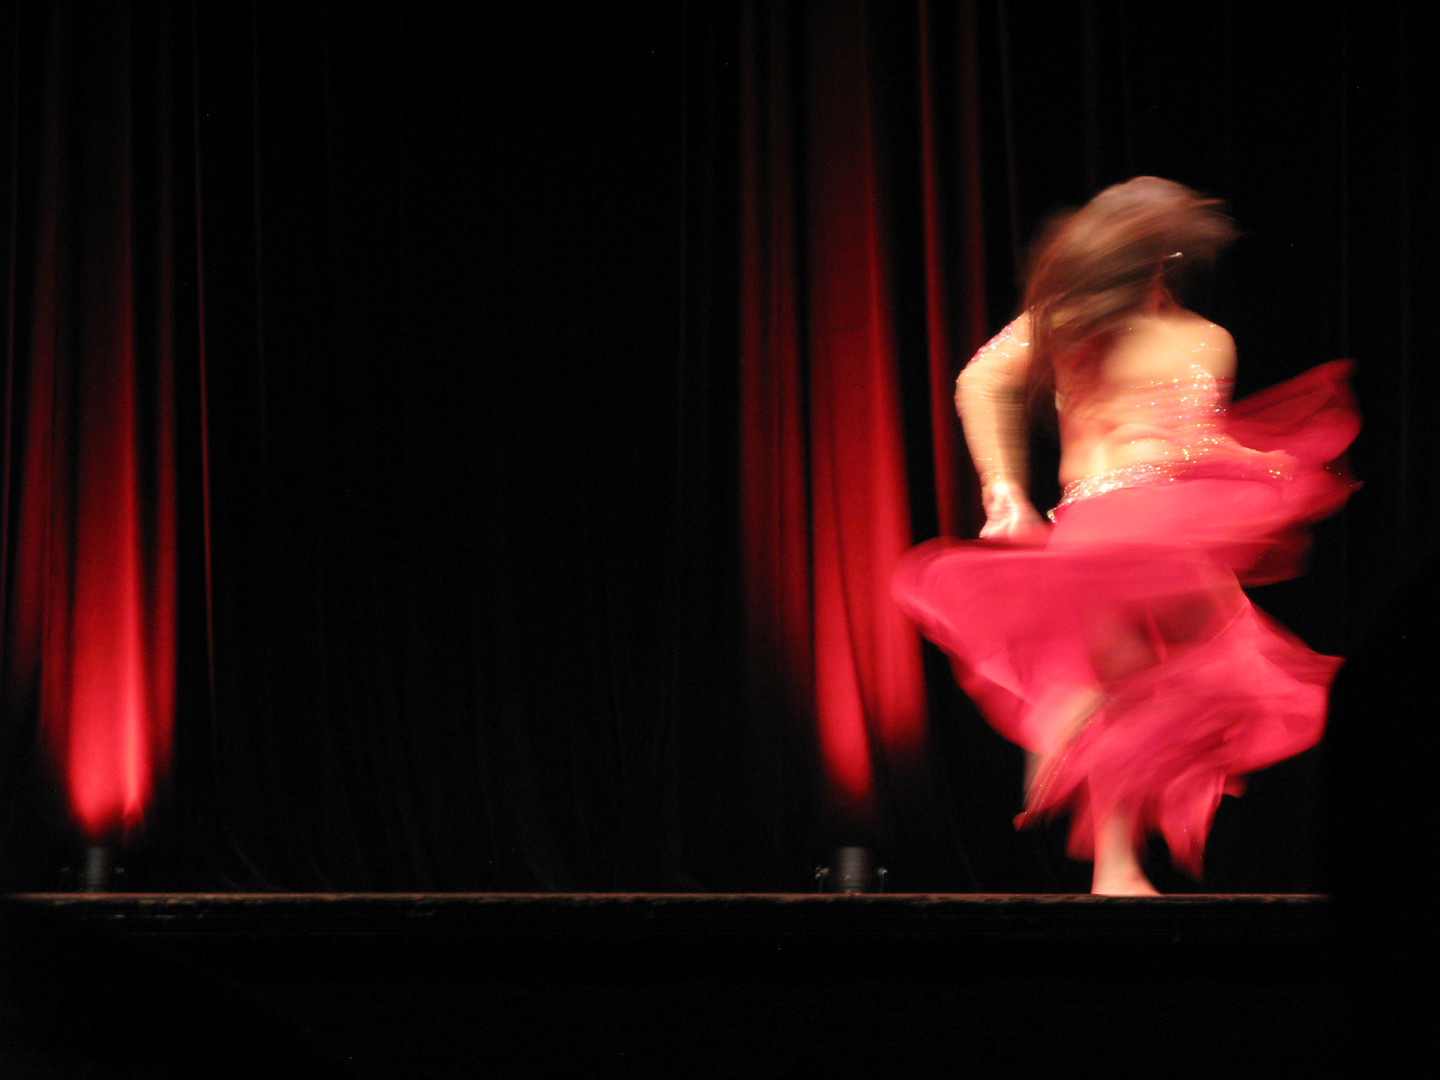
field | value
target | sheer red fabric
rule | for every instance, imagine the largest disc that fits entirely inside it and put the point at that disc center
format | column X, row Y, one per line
column 1121, row 649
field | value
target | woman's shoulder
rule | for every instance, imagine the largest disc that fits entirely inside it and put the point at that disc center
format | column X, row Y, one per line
column 1207, row 343
column 1178, row 321
column 1166, row 344
column 1189, row 322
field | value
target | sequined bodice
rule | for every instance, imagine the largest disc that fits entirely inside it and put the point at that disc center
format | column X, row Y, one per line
column 1187, row 411
column 1172, row 428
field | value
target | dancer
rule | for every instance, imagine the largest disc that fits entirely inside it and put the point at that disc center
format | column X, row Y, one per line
column 1116, row 646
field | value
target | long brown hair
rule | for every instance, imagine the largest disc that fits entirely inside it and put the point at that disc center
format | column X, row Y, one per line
column 1093, row 266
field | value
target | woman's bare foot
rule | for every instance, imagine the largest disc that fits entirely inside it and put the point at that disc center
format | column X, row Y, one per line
column 1117, row 859
column 1128, row 882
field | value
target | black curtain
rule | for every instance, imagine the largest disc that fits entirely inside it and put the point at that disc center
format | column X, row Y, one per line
column 459, row 598
column 465, row 465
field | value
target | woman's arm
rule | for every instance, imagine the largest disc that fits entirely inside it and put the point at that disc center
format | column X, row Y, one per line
column 990, row 398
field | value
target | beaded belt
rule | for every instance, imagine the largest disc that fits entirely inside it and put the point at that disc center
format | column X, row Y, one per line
column 1145, row 473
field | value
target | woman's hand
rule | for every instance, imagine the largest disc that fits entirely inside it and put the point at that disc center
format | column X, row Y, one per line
column 1009, row 514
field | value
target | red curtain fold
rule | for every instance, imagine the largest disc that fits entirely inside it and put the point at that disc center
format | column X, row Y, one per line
column 826, row 485
column 91, row 427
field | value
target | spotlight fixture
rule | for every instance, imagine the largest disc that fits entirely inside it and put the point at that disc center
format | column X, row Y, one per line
column 851, row 870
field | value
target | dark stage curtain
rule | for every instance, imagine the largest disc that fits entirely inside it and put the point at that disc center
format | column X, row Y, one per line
column 502, row 427
column 458, row 577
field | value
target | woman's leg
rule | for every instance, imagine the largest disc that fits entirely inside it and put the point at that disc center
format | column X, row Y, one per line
column 1123, row 645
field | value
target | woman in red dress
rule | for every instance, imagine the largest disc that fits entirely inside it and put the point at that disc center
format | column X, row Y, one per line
column 1116, row 645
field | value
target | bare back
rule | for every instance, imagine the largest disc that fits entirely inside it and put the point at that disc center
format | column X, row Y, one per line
column 1144, row 392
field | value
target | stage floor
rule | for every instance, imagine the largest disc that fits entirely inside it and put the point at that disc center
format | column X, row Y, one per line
column 601, row 915
column 604, row 984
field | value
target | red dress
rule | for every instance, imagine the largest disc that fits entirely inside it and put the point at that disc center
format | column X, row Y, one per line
column 1122, row 650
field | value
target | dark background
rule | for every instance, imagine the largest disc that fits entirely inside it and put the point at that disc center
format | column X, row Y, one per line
column 461, row 316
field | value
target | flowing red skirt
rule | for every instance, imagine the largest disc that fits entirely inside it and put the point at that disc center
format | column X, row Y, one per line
column 1122, row 650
